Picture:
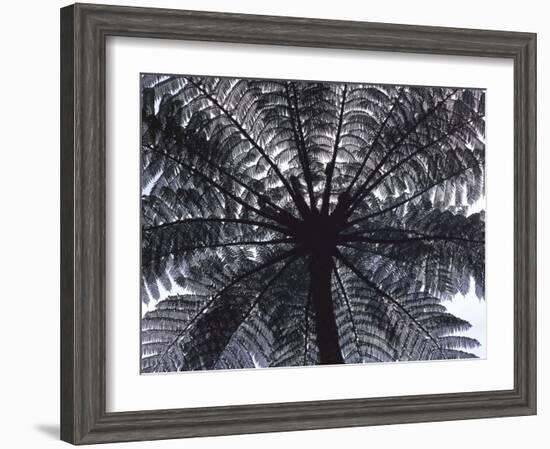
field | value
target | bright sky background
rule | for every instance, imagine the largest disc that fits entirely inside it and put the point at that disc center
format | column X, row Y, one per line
column 473, row 310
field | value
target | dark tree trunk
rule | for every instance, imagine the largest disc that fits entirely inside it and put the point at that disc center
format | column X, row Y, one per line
column 325, row 321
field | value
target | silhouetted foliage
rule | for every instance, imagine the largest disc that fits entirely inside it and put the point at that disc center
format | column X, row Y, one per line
column 307, row 223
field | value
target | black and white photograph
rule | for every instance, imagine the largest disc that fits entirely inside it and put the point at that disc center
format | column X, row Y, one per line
column 275, row 225
column 290, row 223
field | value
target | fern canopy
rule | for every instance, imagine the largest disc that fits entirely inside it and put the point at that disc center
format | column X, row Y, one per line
column 289, row 223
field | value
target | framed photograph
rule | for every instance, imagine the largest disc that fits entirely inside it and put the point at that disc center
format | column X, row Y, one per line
column 274, row 223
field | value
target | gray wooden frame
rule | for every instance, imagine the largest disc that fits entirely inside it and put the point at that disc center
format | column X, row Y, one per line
column 84, row 29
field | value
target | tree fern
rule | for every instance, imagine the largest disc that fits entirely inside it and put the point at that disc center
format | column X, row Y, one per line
column 307, row 223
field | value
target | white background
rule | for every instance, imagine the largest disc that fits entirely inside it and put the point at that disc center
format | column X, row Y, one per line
column 29, row 227
column 127, row 390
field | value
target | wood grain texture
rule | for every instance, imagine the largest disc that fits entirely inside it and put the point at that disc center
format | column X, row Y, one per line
column 83, row 33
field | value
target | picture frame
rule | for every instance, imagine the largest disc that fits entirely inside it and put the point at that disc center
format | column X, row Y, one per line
column 84, row 29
